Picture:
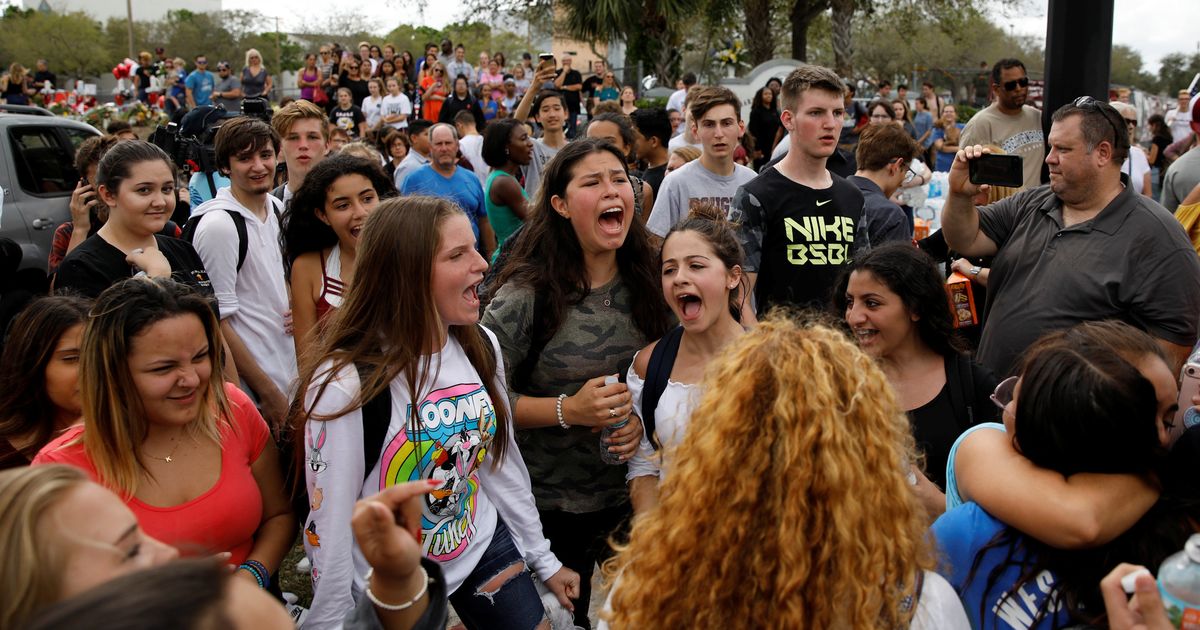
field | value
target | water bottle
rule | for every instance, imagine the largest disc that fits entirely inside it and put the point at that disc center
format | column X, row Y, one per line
column 1179, row 583
column 606, row 433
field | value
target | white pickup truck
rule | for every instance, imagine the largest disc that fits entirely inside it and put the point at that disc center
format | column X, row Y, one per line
column 37, row 176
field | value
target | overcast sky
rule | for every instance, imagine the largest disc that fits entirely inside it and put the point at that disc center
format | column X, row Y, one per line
column 1153, row 27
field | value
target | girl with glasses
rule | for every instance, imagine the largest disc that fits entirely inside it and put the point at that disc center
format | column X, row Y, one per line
column 1082, row 454
column 434, row 89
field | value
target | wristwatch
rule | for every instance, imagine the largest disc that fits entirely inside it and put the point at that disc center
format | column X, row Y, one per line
column 974, row 271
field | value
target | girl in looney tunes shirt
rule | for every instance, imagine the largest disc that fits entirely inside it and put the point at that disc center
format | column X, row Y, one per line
column 480, row 523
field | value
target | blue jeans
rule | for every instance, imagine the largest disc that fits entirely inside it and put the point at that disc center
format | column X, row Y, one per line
column 514, row 605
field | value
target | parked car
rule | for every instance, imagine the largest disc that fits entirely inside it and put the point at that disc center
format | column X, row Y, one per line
column 37, row 176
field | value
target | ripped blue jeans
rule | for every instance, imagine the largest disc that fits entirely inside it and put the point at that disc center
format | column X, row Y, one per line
column 515, row 604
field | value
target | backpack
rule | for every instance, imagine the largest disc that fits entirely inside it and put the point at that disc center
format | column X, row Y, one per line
column 239, row 224
column 377, row 413
column 662, row 360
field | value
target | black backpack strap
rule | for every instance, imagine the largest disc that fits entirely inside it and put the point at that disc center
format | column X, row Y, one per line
column 662, row 361
column 961, row 383
column 239, row 224
column 376, row 416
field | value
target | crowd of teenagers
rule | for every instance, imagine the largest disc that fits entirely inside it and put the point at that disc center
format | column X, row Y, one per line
column 729, row 397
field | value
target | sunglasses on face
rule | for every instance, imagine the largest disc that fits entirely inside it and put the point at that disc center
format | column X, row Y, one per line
column 202, row 62
column 1131, row 122
column 1004, row 392
column 1012, row 85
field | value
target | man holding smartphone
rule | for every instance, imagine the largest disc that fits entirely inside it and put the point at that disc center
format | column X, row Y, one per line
column 1009, row 123
column 570, row 83
column 1083, row 248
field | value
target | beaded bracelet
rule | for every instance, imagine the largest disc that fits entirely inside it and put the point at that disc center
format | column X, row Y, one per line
column 558, row 411
column 425, row 582
column 259, row 571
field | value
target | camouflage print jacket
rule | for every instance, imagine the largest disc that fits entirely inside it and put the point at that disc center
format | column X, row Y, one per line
column 597, row 336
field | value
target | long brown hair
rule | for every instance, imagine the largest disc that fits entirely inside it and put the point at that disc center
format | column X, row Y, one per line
column 388, row 319
column 547, row 256
column 26, row 410
column 113, row 415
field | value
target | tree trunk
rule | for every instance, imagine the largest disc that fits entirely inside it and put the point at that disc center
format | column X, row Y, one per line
column 759, row 41
column 843, row 42
column 802, row 15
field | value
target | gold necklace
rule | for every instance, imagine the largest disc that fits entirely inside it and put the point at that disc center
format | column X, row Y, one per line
column 168, row 459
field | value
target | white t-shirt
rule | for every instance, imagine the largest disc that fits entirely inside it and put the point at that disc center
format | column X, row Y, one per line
column 254, row 299
column 1180, row 123
column 671, row 418
column 472, row 149
column 394, row 105
column 453, row 444
column 675, row 101
column 372, row 108
column 692, row 183
column 542, row 153
column 1136, row 166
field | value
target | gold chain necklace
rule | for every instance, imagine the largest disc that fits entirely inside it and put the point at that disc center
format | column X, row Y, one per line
column 168, row 459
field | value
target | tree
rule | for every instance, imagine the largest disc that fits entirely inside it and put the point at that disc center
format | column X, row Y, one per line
column 801, row 17
column 1177, row 71
column 843, row 40
column 1126, row 68
column 760, row 41
column 71, row 43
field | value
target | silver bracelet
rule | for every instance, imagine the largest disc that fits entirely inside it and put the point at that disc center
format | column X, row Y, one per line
column 558, row 411
column 393, row 607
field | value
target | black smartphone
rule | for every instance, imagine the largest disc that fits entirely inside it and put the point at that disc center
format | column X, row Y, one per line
column 546, row 60
column 997, row 170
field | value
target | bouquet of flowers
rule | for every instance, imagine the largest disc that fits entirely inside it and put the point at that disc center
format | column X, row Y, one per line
column 733, row 55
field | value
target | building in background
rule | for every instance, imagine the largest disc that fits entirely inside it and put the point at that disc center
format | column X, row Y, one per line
column 143, row 10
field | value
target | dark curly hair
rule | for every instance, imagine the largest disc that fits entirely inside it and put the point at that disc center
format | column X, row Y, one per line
column 303, row 232
column 911, row 274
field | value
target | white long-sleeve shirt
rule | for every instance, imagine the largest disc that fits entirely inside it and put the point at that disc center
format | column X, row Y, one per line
column 457, row 423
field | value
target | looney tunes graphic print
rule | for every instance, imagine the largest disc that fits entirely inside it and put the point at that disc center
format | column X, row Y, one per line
column 446, row 441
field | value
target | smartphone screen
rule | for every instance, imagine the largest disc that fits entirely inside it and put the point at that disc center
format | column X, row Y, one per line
column 997, row 170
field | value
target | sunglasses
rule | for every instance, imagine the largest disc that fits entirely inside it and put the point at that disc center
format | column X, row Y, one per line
column 1004, row 392
column 1132, row 122
column 1090, row 104
column 202, row 62
column 1012, row 85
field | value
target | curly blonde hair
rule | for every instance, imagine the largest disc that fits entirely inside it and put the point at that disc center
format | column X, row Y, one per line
column 799, row 427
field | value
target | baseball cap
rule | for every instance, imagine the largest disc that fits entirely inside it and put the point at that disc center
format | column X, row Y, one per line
column 510, row 80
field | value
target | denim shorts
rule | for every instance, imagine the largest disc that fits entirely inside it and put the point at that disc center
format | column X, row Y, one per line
column 516, row 604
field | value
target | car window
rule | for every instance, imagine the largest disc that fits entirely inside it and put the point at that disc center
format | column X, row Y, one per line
column 76, row 136
column 43, row 165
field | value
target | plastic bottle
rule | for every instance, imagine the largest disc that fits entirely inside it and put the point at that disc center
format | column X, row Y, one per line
column 606, row 434
column 1179, row 583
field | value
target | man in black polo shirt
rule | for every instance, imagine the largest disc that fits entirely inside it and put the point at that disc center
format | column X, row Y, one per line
column 798, row 223
column 570, row 83
column 1085, row 247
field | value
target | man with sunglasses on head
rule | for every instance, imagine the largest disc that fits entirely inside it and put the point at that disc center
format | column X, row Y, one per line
column 1009, row 123
column 1085, row 247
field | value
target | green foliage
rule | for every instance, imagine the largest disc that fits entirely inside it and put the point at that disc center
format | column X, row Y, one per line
column 644, row 103
column 72, row 43
column 1177, row 71
column 1126, row 69
column 474, row 36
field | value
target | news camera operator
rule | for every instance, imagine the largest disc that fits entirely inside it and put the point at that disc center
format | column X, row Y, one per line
column 190, row 144
column 1084, row 247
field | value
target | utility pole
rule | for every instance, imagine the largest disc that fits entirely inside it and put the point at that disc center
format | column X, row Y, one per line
column 129, row 24
column 278, row 57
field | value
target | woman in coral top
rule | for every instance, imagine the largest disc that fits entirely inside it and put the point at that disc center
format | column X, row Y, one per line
column 189, row 454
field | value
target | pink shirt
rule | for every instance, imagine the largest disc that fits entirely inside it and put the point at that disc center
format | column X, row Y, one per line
column 498, row 79
column 226, row 516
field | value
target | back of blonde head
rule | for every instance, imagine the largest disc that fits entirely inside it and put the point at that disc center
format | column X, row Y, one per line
column 789, row 506
column 31, row 571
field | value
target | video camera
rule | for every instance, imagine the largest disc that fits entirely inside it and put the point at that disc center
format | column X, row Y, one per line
column 189, row 141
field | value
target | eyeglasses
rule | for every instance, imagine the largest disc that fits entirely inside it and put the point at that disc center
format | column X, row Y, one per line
column 202, row 62
column 1090, row 104
column 324, row 52
column 1012, row 85
column 1004, row 391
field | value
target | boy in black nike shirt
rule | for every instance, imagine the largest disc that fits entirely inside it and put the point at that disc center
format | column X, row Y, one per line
column 798, row 223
